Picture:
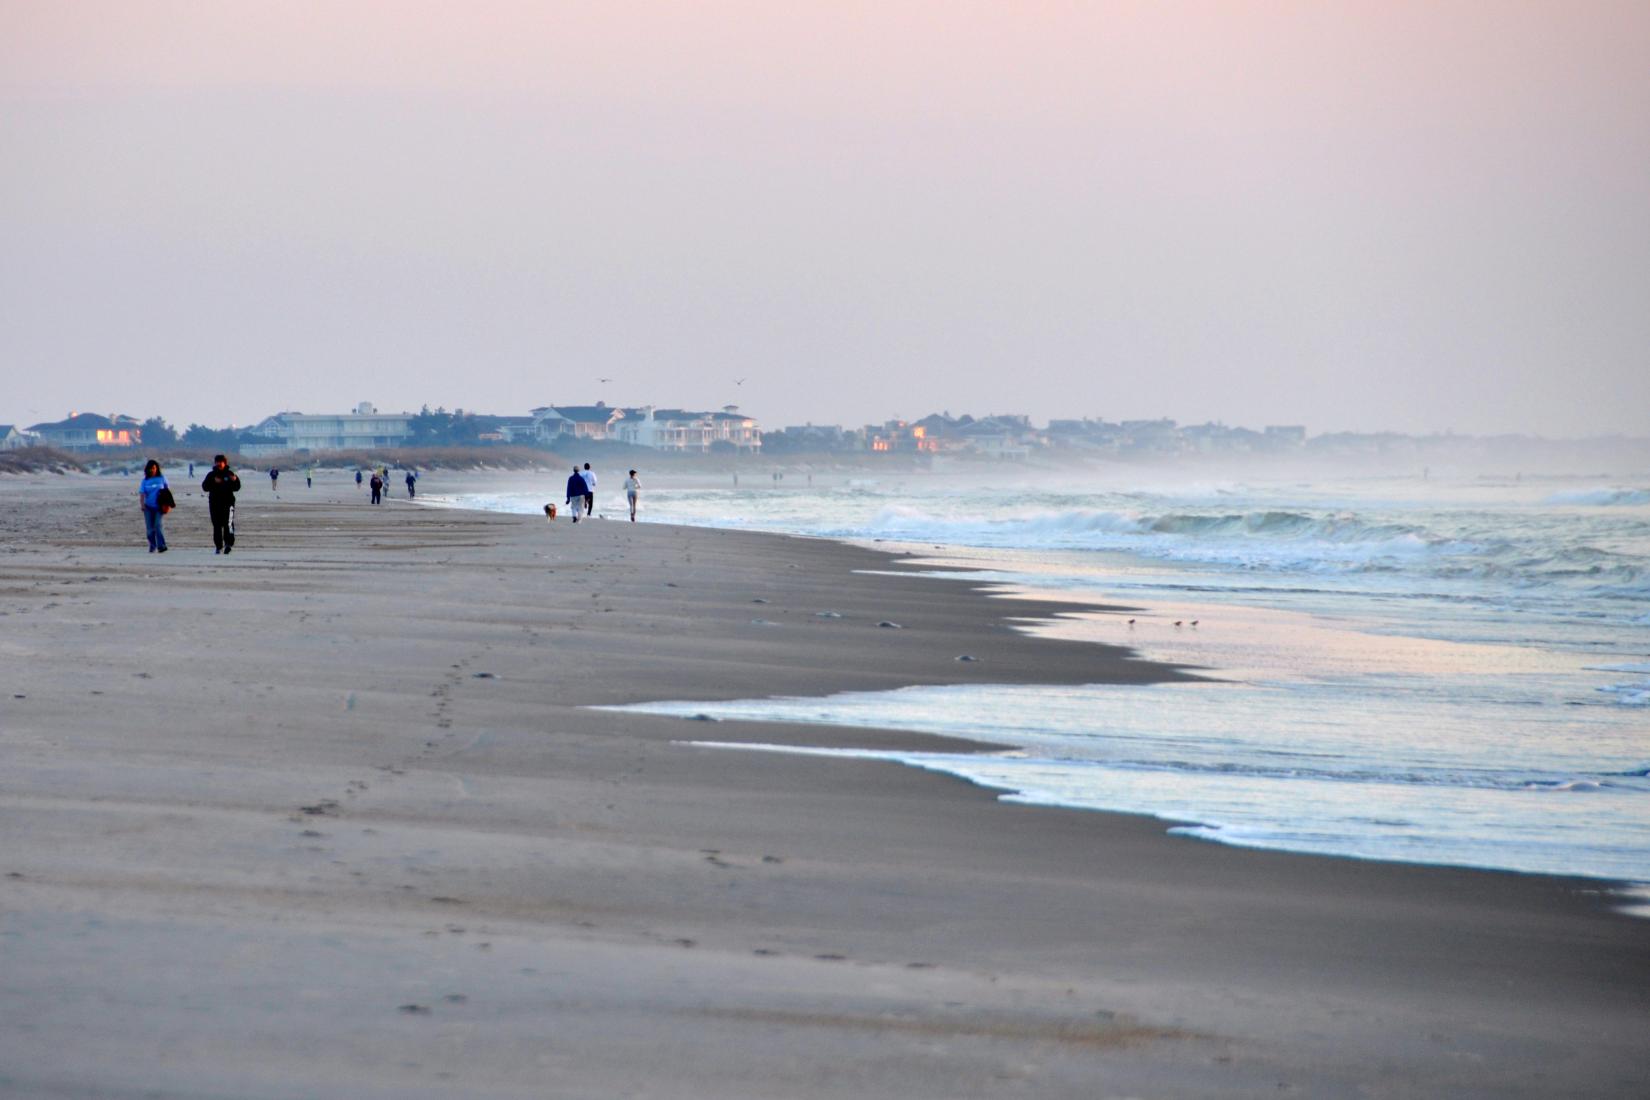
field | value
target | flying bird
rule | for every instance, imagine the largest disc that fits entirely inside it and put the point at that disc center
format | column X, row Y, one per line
column 739, row 381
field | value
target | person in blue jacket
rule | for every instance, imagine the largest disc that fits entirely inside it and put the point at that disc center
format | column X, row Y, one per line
column 576, row 488
column 150, row 493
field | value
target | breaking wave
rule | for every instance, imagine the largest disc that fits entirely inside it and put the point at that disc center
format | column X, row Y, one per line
column 1287, row 541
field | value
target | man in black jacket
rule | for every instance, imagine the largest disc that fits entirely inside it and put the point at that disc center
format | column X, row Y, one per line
column 220, row 487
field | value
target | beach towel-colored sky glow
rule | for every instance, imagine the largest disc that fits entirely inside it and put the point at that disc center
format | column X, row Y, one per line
column 1390, row 215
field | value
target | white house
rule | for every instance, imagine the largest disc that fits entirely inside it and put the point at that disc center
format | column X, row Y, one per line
column 681, row 430
column 365, row 428
column 12, row 439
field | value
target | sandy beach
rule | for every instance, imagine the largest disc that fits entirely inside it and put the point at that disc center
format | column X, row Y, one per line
column 330, row 816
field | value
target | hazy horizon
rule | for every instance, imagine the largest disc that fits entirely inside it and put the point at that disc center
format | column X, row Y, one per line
column 1415, row 217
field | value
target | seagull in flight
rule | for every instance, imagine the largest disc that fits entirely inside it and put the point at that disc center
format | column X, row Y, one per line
column 604, row 379
column 739, row 381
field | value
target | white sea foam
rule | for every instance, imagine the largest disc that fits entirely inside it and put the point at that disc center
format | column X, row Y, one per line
column 1438, row 772
column 1629, row 695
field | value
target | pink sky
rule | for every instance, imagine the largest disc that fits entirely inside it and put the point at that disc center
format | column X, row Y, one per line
column 1414, row 216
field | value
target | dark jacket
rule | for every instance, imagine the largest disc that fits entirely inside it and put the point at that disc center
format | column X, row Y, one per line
column 576, row 487
column 220, row 487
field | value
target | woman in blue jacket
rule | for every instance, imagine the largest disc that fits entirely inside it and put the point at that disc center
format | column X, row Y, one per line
column 149, row 492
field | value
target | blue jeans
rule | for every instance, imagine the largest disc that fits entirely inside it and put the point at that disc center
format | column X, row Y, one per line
column 151, row 527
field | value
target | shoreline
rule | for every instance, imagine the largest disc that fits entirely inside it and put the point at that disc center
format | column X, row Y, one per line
column 392, row 794
column 1059, row 612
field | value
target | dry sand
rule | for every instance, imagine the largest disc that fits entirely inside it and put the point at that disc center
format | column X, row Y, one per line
column 327, row 818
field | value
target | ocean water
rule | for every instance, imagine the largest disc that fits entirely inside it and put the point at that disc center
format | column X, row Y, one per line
column 1435, row 672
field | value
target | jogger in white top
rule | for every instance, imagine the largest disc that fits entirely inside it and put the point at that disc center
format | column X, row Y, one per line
column 631, row 488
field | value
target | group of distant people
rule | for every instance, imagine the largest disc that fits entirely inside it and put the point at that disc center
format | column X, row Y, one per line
column 380, row 481
column 581, row 493
column 220, row 486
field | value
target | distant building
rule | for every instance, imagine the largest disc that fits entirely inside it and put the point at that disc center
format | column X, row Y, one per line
column 89, row 431
column 12, row 439
column 507, row 429
column 889, row 436
column 548, row 424
column 689, row 432
column 736, row 429
column 1010, row 437
column 1285, row 436
column 364, row 429
column 579, row 421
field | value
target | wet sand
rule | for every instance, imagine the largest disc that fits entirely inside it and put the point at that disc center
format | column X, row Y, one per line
column 328, row 817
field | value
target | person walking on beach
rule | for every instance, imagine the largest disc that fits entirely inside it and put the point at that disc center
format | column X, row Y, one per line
column 631, row 488
column 274, row 476
column 411, row 479
column 157, row 501
column 220, row 486
column 575, row 493
column 589, row 490
column 309, row 477
column 377, row 487
column 358, row 479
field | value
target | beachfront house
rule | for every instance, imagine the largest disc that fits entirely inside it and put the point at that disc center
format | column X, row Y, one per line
column 926, row 436
column 582, row 422
column 364, row 429
column 736, row 429
column 689, row 432
column 12, row 438
column 1005, row 436
column 89, row 431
